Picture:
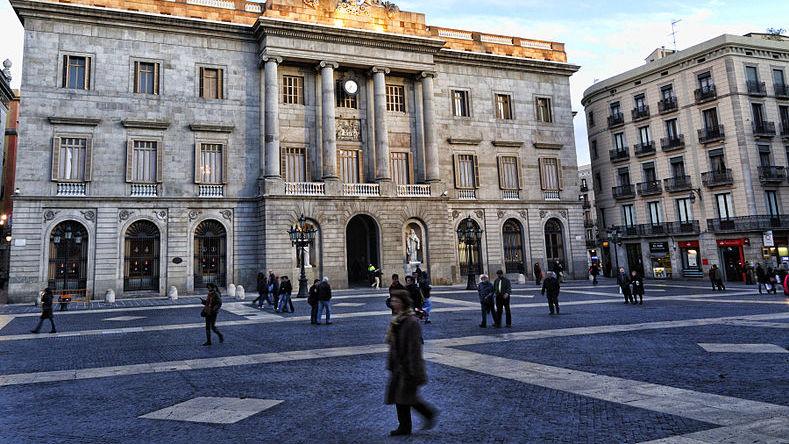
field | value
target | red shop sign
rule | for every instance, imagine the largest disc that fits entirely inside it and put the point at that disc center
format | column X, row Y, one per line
column 688, row 244
column 730, row 243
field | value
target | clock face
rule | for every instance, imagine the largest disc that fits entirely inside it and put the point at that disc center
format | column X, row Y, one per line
column 350, row 87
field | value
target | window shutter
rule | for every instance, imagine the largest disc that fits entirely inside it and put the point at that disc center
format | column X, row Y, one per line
column 358, row 166
column 283, row 164
column 156, row 86
column 136, row 87
column 476, row 171
column 559, row 172
column 87, row 73
column 224, row 162
column 198, row 158
column 455, row 170
column 200, row 82
column 55, row 157
column 501, row 172
column 307, row 169
column 129, row 160
column 518, row 172
column 220, row 74
column 88, row 159
column 159, row 161
column 65, row 70
column 540, row 163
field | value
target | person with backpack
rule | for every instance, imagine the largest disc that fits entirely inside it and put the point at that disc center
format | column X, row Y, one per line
column 312, row 299
column 637, row 282
column 46, row 311
column 285, row 290
column 211, row 305
column 485, row 292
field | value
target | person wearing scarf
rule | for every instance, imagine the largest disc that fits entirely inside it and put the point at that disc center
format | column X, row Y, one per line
column 406, row 364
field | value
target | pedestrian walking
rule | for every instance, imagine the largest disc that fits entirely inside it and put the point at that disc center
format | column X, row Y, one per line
column 395, row 285
column 594, row 271
column 502, row 289
column 717, row 281
column 272, row 287
column 550, row 288
column 537, row 273
column 761, row 278
column 261, row 285
column 211, row 305
column 748, row 273
column 637, row 282
column 416, row 296
column 486, row 297
column 312, row 299
column 406, row 366
column 46, row 311
column 424, row 285
column 623, row 280
column 285, row 290
column 771, row 280
column 558, row 268
column 376, row 272
column 371, row 274
column 324, row 300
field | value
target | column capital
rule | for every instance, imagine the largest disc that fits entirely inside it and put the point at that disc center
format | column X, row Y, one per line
column 381, row 69
column 265, row 58
column 328, row 64
column 426, row 74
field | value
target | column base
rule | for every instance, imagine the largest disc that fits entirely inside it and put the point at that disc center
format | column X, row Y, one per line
column 273, row 185
column 438, row 188
column 387, row 187
column 333, row 186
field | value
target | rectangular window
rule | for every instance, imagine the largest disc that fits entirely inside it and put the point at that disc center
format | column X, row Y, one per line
column 772, row 203
column 667, row 92
column 294, row 164
column 764, row 155
column 677, row 167
column 509, row 179
column 758, row 113
column 644, row 135
column 594, row 150
column 146, row 78
column 725, row 205
column 705, row 82
column 466, row 171
column 544, row 113
column 590, row 119
column 550, row 174
column 395, row 98
column 684, row 210
column 778, row 77
column 211, row 81
column 598, row 182
column 615, row 109
column 460, row 106
column 503, row 107
column 655, row 213
column 71, row 157
column 345, row 100
column 672, row 133
column 349, row 160
column 640, row 101
column 783, row 113
column 710, row 118
column 212, row 163
column 401, row 168
column 624, row 176
column 649, row 173
column 751, row 74
column 717, row 161
column 628, row 215
column 76, row 72
column 144, row 161
column 293, row 90
column 619, row 142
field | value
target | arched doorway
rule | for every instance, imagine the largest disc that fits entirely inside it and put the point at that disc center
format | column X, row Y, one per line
column 512, row 235
column 476, row 254
column 68, row 258
column 210, row 254
column 361, row 245
column 554, row 243
column 141, row 260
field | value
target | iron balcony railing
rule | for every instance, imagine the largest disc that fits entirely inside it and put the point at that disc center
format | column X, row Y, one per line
column 649, row 188
column 672, row 143
column 711, row 134
column 756, row 88
column 640, row 112
column 623, row 191
column 782, row 91
column 618, row 155
column 660, row 229
column 748, row 223
column 677, row 183
column 705, row 93
column 588, row 223
column 717, row 178
column 616, row 120
column 772, row 174
column 668, row 105
column 763, row 128
column 644, row 148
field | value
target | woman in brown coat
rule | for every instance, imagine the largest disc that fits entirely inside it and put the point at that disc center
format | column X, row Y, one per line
column 212, row 303
column 406, row 365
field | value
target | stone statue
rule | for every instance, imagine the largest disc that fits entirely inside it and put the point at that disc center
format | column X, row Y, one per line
column 413, row 244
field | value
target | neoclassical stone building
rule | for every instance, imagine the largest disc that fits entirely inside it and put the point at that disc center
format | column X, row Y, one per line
column 173, row 143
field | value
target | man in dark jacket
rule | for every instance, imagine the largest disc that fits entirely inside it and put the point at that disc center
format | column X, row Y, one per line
column 502, row 289
column 46, row 311
column 761, row 277
column 623, row 280
column 537, row 273
column 594, row 271
column 485, row 290
column 212, row 303
column 716, row 279
column 312, row 299
column 550, row 288
column 324, row 300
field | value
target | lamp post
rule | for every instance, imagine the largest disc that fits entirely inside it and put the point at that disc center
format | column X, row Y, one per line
column 613, row 235
column 469, row 234
column 301, row 236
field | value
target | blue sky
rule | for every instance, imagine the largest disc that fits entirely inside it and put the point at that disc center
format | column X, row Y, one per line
column 604, row 37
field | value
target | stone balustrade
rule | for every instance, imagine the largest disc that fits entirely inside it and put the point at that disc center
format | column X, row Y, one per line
column 144, row 190
column 211, row 191
column 305, row 188
column 419, row 190
column 362, row 189
column 71, row 189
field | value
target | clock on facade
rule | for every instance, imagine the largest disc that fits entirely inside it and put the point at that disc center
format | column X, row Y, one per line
column 350, row 87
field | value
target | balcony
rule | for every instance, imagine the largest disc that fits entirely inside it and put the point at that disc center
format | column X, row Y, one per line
column 748, row 223
column 713, row 179
column 677, row 183
column 362, row 189
column 649, row 188
column 644, row 148
column 624, row 192
column 705, row 94
column 616, row 120
column 640, row 113
column 619, row 155
column 668, row 144
column 660, row 229
column 686, row 227
column 510, row 194
column 756, row 88
column 711, row 134
column 72, row 189
column 211, row 191
column 763, row 129
column 551, row 195
column 144, row 190
column 782, row 91
column 668, row 105
column 588, row 223
column 772, row 174
column 305, row 189
column 417, row 190
column 467, row 194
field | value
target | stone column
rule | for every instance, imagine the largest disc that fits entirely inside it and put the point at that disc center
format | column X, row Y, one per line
column 272, row 116
column 431, row 145
column 381, row 133
column 262, row 136
column 328, row 121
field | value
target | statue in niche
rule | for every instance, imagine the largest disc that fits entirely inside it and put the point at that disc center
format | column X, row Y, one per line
column 413, row 245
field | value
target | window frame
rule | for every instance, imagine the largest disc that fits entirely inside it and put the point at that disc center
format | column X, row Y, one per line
column 728, row 202
column 394, row 106
column 55, row 153
column 130, row 158
column 198, row 159
column 500, row 162
column 293, row 93
column 466, row 94
column 221, row 81
column 684, row 210
column 509, row 112
column 628, row 215
column 537, row 112
column 409, row 166
column 88, row 81
column 541, row 163
column 475, row 166
column 283, row 153
column 136, row 63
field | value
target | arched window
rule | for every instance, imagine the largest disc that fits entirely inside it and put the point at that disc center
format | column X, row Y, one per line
column 554, row 243
column 210, row 254
column 68, row 258
column 141, row 261
column 512, row 234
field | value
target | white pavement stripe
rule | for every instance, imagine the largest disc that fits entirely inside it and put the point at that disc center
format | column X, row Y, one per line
column 706, row 407
column 758, row 324
column 741, row 348
column 730, row 301
column 108, row 310
column 455, row 302
column 4, row 320
column 774, row 430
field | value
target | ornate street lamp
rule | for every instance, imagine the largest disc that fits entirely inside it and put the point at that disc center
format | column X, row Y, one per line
column 301, row 236
column 615, row 237
column 470, row 235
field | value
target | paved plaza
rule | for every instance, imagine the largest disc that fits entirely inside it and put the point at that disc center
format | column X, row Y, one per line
column 688, row 366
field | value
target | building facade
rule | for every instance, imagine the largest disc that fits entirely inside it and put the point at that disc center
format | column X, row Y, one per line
column 173, row 143
column 9, row 106
column 586, row 197
column 689, row 155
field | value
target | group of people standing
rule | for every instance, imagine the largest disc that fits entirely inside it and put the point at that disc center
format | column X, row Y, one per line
column 418, row 287
column 274, row 290
column 495, row 299
column 631, row 286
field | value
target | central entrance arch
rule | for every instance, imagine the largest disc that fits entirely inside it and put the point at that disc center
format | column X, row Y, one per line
column 361, row 246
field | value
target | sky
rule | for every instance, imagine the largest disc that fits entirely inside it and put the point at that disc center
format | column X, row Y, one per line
column 604, row 37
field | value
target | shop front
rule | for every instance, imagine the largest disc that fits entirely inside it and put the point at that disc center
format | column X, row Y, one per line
column 660, row 257
column 776, row 249
column 732, row 258
column 691, row 258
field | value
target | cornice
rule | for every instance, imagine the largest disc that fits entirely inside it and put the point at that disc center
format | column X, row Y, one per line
column 507, row 143
column 460, row 141
column 77, row 121
column 504, row 62
column 211, row 127
column 548, row 146
column 146, row 124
